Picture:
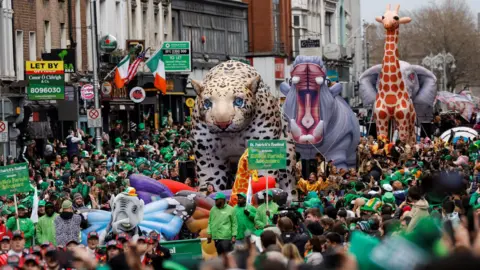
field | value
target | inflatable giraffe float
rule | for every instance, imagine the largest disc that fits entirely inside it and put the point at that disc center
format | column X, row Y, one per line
column 241, row 178
column 393, row 101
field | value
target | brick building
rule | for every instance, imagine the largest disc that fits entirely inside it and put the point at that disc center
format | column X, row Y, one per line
column 270, row 39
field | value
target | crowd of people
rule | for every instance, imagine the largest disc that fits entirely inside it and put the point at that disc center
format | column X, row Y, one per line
column 396, row 193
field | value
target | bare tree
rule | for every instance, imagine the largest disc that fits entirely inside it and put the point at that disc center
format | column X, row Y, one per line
column 449, row 25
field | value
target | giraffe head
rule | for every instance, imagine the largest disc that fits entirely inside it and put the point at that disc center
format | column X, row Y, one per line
column 391, row 20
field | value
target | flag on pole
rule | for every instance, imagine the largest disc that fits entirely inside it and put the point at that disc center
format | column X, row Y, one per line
column 249, row 190
column 132, row 69
column 121, row 73
column 34, row 216
column 157, row 67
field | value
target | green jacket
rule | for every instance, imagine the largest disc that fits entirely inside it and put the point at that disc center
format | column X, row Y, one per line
column 222, row 223
column 26, row 226
column 245, row 222
column 82, row 189
column 261, row 219
column 46, row 229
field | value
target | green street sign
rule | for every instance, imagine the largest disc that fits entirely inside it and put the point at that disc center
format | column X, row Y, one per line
column 46, row 87
column 267, row 154
column 14, row 179
column 177, row 56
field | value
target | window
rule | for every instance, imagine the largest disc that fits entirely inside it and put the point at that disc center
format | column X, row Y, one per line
column 32, row 46
column 304, row 20
column 328, row 27
column 63, row 36
column 48, row 36
column 19, row 55
column 296, row 20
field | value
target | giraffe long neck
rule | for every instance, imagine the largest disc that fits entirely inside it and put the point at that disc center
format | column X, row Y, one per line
column 391, row 77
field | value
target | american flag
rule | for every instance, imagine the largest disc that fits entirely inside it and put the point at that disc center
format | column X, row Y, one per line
column 132, row 69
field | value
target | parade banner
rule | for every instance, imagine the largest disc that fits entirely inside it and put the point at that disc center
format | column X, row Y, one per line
column 46, row 80
column 186, row 252
column 14, row 179
column 267, row 154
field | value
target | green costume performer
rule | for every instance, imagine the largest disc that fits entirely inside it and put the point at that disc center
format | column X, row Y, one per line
column 245, row 216
column 26, row 226
column 261, row 218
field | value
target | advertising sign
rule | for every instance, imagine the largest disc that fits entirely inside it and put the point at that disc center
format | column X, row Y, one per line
column 65, row 55
column 267, row 154
column 14, row 179
column 137, row 94
column 310, row 47
column 46, row 80
column 279, row 68
column 177, row 56
column 87, row 92
column 108, row 44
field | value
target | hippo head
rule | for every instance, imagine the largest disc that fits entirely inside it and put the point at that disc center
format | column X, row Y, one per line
column 308, row 79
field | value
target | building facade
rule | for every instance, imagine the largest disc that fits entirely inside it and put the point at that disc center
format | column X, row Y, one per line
column 270, row 40
column 217, row 30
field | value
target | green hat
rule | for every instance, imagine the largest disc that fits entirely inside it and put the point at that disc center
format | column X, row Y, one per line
column 44, row 166
column 96, row 152
column 155, row 172
column 242, row 194
column 84, row 154
column 42, row 203
column 147, row 173
column 476, row 206
column 388, row 198
column 90, row 178
column 59, row 183
column 270, row 193
column 448, row 157
column 118, row 121
column 128, row 167
column 43, row 185
column 21, row 206
column 220, row 195
column 111, row 178
column 141, row 126
column 81, row 142
column 68, row 166
column 118, row 140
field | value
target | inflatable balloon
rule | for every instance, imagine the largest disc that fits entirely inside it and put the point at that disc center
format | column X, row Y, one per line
column 262, row 183
column 148, row 189
column 279, row 196
column 227, row 194
column 175, row 186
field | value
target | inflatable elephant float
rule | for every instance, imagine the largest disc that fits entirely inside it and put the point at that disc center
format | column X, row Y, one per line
column 419, row 82
column 320, row 119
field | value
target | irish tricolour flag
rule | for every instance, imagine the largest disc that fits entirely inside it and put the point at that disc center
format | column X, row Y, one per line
column 157, row 67
column 121, row 73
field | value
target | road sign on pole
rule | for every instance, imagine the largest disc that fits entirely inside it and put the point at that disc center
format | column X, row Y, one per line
column 3, row 131
column 177, row 56
column 94, row 117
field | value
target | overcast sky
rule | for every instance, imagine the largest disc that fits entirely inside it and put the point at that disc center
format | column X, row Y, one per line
column 372, row 8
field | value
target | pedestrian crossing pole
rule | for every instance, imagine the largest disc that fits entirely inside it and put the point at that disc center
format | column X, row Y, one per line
column 96, row 82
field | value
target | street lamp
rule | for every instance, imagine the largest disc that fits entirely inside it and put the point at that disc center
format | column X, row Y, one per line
column 440, row 62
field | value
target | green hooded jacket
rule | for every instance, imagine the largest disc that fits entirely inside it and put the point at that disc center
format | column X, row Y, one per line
column 245, row 222
column 222, row 223
column 26, row 226
column 261, row 219
column 46, row 229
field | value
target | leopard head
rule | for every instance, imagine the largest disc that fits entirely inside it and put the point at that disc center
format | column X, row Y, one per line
column 226, row 103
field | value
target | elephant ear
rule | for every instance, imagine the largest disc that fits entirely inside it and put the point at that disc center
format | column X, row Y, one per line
column 424, row 96
column 368, row 84
column 427, row 90
column 336, row 89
